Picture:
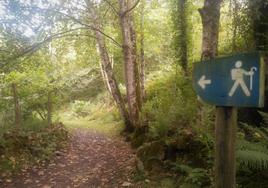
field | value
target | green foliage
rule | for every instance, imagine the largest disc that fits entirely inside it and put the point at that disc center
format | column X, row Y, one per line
column 172, row 139
column 236, row 29
column 252, row 159
column 81, row 108
column 181, row 12
column 252, row 156
column 193, row 177
column 69, row 68
column 101, row 116
column 168, row 108
column 152, row 154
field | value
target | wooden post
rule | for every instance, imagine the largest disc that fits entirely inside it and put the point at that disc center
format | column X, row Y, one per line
column 226, row 123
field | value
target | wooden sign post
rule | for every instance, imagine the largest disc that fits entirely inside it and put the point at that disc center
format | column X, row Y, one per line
column 228, row 83
column 225, row 130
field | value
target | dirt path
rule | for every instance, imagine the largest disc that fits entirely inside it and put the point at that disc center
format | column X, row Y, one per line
column 91, row 160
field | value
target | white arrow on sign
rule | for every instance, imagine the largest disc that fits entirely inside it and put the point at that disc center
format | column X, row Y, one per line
column 203, row 82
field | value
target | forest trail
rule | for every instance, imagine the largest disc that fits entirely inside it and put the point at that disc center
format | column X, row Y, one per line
column 91, row 160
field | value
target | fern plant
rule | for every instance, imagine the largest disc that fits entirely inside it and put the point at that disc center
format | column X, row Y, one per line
column 252, row 155
column 193, row 177
column 264, row 116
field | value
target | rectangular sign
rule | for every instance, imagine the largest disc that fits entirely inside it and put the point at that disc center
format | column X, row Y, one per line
column 231, row 81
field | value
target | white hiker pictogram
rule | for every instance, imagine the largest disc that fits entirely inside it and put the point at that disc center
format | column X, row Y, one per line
column 237, row 75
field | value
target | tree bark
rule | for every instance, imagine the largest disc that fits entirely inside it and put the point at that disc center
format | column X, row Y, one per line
column 226, row 117
column 142, row 59
column 132, row 74
column 183, row 35
column 104, row 77
column 210, row 15
column 17, row 109
column 106, row 66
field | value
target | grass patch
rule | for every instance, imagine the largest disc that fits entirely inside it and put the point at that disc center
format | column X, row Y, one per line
column 101, row 118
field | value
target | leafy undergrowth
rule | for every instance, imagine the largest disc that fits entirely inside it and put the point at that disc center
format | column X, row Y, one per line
column 100, row 116
column 252, row 155
column 175, row 152
column 25, row 146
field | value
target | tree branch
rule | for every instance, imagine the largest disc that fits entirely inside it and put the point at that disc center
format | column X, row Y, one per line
column 86, row 25
column 129, row 10
column 36, row 46
column 112, row 6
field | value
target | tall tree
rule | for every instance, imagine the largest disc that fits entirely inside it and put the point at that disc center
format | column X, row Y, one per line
column 132, row 74
column 210, row 15
column 142, row 58
column 181, row 34
column 106, row 65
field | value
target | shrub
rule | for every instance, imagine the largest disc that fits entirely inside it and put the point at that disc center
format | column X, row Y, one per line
column 81, row 108
column 252, row 156
column 170, row 105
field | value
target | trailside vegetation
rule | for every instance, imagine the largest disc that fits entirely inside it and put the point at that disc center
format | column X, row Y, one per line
column 125, row 66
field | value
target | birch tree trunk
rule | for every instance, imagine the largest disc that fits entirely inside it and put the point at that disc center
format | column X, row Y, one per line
column 132, row 74
column 104, row 77
column 17, row 110
column 107, row 69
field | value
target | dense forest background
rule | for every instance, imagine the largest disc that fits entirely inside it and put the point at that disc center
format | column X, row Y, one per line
column 125, row 66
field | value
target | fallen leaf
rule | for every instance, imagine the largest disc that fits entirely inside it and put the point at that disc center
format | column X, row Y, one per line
column 126, row 184
column 41, row 173
column 8, row 180
column 46, row 186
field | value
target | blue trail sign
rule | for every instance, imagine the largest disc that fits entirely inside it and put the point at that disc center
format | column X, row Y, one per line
column 231, row 81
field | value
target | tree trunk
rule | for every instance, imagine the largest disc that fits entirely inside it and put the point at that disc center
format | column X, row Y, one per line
column 106, row 66
column 210, row 15
column 132, row 74
column 17, row 109
column 49, row 108
column 142, row 59
column 226, row 117
column 183, row 35
column 104, row 77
